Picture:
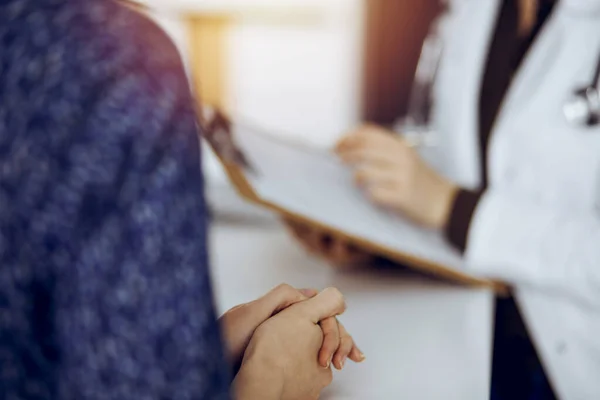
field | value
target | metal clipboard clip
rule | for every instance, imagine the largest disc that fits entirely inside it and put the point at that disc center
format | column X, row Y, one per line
column 218, row 132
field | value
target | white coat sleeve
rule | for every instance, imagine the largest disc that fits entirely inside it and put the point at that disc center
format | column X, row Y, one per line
column 530, row 245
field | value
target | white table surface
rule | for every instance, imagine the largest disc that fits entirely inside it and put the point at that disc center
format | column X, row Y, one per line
column 423, row 340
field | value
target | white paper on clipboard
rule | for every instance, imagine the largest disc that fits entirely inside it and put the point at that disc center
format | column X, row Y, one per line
column 312, row 183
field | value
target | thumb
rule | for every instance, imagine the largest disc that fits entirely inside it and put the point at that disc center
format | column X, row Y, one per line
column 309, row 292
column 329, row 303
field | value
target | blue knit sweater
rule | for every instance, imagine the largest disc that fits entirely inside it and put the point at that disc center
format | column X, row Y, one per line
column 104, row 287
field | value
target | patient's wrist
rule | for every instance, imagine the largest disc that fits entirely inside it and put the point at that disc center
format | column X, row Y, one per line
column 258, row 380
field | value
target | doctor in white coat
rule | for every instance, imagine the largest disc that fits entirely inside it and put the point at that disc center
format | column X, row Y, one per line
column 522, row 200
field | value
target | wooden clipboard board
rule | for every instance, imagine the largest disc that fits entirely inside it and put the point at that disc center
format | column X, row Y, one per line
column 218, row 134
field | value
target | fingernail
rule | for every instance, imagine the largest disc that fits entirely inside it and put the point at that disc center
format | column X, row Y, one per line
column 362, row 357
column 308, row 292
column 328, row 364
column 342, row 362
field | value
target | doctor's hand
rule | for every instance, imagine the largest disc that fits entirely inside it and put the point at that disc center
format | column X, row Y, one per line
column 336, row 251
column 240, row 323
column 393, row 175
column 281, row 359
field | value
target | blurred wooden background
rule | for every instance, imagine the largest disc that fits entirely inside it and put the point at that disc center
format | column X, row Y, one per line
column 395, row 30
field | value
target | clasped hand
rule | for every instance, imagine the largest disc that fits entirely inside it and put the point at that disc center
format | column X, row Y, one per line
column 286, row 342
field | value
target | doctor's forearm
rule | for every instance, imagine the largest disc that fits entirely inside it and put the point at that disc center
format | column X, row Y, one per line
column 461, row 215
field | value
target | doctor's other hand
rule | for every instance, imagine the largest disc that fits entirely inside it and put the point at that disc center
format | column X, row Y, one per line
column 281, row 359
column 394, row 176
column 336, row 251
column 240, row 323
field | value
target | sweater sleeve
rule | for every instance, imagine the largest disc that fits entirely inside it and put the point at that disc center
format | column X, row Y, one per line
column 134, row 308
column 106, row 292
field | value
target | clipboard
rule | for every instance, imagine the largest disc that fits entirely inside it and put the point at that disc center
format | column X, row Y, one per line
column 233, row 145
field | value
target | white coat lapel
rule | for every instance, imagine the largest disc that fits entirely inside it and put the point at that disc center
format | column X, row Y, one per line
column 540, row 56
column 467, row 41
column 532, row 72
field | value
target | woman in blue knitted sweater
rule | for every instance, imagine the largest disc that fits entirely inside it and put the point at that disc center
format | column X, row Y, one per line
column 104, row 284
